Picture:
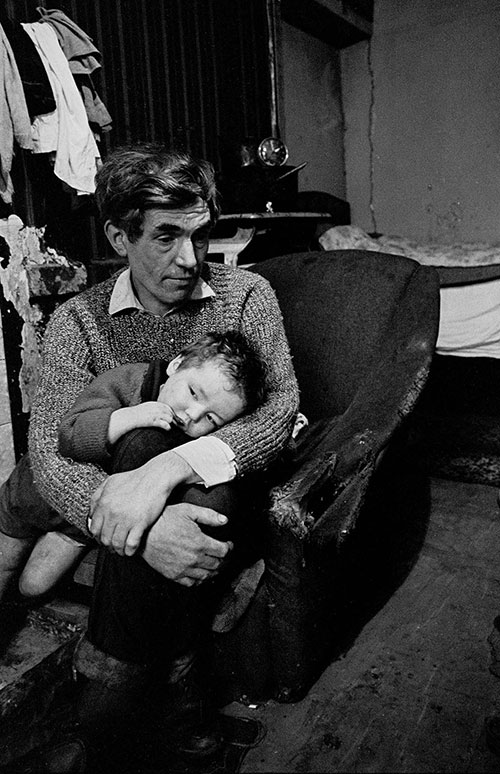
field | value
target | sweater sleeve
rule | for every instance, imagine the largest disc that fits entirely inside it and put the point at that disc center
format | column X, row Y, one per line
column 83, row 432
column 66, row 370
column 258, row 438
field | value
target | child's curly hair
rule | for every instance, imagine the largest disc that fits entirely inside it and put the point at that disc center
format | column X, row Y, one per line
column 237, row 360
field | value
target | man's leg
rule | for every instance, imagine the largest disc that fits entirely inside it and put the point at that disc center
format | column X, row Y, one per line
column 143, row 626
column 144, row 635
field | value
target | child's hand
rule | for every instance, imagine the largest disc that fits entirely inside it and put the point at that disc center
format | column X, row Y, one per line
column 149, row 414
column 152, row 414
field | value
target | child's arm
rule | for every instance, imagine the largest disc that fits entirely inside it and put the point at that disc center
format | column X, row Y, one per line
column 83, row 430
column 149, row 414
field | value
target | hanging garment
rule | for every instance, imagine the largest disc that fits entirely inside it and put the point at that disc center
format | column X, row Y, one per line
column 37, row 89
column 66, row 131
column 84, row 58
column 14, row 116
column 97, row 113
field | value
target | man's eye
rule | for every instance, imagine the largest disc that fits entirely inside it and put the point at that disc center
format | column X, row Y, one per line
column 200, row 239
column 193, row 393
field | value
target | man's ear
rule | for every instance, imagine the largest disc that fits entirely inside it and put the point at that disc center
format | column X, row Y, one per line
column 117, row 238
column 174, row 365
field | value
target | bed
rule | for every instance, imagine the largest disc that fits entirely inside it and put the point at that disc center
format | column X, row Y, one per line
column 455, row 429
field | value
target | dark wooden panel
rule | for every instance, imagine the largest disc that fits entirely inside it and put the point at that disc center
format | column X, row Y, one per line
column 193, row 74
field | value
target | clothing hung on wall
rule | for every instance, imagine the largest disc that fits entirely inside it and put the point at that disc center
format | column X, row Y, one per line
column 36, row 85
column 48, row 102
column 65, row 131
column 14, row 117
column 84, row 59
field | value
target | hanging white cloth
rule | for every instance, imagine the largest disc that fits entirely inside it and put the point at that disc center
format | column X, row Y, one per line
column 65, row 131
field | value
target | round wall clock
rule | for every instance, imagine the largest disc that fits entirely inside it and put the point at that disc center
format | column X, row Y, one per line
column 272, row 152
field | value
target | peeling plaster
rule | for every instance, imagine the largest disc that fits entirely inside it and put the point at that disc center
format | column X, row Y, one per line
column 33, row 270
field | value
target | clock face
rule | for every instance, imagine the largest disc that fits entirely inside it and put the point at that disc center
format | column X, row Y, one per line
column 273, row 152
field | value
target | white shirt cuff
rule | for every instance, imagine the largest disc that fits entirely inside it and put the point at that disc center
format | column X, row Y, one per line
column 211, row 459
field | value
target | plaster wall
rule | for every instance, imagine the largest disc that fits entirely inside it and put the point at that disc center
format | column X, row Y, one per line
column 312, row 123
column 422, row 121
column 7, row 458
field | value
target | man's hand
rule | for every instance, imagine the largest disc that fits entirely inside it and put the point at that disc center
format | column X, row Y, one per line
column 126, row 504
column 178, row 549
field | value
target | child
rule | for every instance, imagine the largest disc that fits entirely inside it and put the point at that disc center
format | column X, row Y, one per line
column 211, row 382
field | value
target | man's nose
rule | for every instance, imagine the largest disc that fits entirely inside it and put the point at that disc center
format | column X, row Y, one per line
column 186, row 256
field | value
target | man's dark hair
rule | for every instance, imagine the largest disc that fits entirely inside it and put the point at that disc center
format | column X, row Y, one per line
column 237, row 360
column 137, row 178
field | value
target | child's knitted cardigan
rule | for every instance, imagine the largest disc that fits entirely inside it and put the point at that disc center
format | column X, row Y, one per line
column 83, row 340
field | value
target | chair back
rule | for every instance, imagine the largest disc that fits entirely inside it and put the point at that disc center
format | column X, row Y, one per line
column 344, row 312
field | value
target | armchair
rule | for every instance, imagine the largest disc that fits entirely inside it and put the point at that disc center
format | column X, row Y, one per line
column 362, row 328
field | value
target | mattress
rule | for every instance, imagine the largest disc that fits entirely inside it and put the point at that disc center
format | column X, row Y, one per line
column 470, row 286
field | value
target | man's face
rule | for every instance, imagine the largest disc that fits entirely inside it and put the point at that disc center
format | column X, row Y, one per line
column 166, row 260
column 202, row 398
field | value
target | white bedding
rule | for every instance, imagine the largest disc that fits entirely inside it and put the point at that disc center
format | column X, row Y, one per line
column 469, row 323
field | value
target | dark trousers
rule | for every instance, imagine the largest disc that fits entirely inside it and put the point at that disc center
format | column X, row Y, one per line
column 137, row 615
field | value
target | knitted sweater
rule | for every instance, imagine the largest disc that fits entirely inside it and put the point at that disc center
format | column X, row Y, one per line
column 83, row 340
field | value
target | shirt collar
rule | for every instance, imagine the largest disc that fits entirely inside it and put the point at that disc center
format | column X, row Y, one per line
column 123, row 296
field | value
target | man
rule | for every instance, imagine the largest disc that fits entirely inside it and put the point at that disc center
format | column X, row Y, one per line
column 158, row 209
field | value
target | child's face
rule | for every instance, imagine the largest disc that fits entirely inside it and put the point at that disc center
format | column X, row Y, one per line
column 202, row 398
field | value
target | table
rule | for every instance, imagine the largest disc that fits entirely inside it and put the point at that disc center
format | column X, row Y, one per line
column 248, row 224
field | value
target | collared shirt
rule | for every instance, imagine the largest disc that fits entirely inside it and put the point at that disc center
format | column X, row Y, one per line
column 211, row 459
column 123, row 296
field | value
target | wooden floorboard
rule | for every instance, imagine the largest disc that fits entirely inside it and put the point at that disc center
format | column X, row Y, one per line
column 413, row 690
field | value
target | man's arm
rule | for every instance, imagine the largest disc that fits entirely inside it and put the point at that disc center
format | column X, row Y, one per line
column 258, row 438
column 65, row 372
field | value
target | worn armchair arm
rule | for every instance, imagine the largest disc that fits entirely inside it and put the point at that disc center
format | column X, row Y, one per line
column 322, row 497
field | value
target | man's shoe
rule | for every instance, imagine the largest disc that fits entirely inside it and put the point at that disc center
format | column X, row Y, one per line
column 188, row 722
column 200, row 740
